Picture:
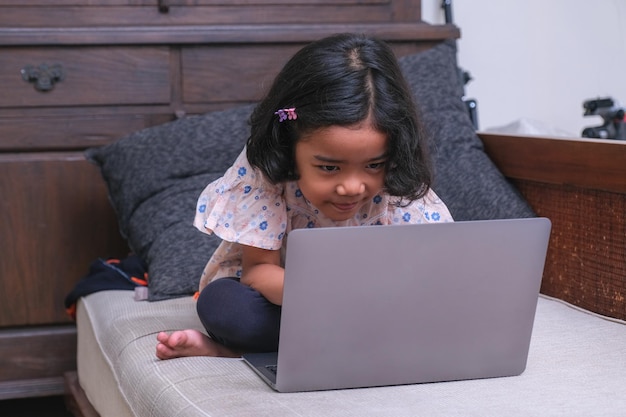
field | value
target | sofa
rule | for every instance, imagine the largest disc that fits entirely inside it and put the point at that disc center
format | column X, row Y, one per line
column 577, row 360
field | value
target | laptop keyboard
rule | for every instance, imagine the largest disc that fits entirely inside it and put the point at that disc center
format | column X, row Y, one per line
column 271, row 368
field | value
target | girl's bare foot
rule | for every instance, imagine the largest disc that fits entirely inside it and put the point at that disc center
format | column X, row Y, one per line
column 189, row 342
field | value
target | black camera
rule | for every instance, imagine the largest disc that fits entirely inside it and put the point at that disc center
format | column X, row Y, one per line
column 614, row 126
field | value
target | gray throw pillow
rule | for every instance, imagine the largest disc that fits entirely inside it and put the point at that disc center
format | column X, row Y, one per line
column 154, row 177
column 465, row 178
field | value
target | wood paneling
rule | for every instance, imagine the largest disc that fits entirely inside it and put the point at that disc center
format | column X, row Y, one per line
column 32, row 360
column 55, row 220
column 205, row 12
column 586, row 163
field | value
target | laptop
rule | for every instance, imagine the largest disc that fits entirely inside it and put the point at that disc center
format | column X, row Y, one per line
column 405, row 304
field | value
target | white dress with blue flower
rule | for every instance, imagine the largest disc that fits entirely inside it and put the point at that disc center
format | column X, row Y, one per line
column 243, row 208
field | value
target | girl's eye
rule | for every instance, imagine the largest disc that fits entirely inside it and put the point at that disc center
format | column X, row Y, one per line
column 376, row 165
column 328, row 168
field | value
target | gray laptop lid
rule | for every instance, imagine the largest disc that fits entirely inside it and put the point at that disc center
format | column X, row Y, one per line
column 387, row 305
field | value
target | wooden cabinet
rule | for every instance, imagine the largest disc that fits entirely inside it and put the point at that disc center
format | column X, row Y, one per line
column 77, row 74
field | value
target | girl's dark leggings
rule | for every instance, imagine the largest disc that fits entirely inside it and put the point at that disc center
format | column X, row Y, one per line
column 238, row 316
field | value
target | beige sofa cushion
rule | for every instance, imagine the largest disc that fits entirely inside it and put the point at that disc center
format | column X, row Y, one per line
column 576, row 367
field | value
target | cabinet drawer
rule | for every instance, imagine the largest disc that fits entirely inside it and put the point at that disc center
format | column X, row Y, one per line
column 56, row 128
column 74, row 76
column 239, row 73
column 208, row 71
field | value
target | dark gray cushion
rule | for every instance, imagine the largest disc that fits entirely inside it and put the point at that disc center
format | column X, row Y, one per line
column 465, row 178
column 155, row 175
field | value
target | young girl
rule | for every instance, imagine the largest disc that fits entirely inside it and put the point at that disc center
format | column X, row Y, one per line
column 336, row 142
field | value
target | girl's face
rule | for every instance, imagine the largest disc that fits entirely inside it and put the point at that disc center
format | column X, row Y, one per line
column 341, row 168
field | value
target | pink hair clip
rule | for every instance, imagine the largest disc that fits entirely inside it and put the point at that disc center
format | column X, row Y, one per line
column 285, row 114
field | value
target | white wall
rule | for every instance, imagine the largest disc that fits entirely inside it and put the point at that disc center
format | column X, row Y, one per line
column 539, row 60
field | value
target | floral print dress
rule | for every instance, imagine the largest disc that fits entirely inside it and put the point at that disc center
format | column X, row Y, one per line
column 243, row 208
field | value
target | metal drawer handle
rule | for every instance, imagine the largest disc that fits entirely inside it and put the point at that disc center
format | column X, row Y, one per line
column 44, row 76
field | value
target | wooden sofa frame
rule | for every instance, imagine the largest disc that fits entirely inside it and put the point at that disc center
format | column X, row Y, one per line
column 580, row 184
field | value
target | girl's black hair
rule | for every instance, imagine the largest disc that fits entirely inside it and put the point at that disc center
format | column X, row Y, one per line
column 342, row 80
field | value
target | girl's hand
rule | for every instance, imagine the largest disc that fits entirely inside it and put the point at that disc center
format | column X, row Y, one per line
column 262, row 271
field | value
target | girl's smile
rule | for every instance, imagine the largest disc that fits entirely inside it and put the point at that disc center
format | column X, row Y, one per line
column 341, row 168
